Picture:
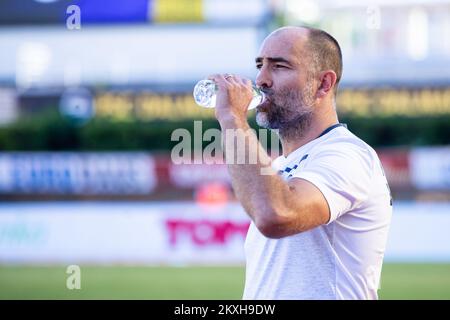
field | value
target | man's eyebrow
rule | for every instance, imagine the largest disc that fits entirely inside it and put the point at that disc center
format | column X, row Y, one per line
column 272, row 59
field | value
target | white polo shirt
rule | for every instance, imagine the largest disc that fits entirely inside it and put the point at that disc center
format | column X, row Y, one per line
column 339, row 260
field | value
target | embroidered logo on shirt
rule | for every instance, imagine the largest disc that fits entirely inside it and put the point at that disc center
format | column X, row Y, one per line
column 289, row 169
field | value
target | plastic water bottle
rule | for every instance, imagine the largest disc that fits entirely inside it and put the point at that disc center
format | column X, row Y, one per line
column 205, row 95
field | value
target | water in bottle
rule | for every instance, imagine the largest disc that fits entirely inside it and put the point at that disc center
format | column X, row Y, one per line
column 205, row 95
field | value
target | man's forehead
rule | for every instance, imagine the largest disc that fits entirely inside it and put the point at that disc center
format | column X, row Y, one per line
column 271, row 49
column 285, row 42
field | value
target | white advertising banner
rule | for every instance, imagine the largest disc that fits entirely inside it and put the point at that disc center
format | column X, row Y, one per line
column 419, row 232
column 148, row 54
column 181, row 233
column 88, row 173
column 157, row 233
column 430, row 168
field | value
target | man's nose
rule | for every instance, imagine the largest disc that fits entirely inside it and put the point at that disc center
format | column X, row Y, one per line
column 263, row 79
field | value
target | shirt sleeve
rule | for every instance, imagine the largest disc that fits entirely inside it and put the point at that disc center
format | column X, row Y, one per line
column 343, row 175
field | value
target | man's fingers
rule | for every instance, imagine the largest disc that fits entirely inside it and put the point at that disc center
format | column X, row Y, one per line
column 242, row 81
column 225, row 80
column 234, row 80
column 219, row 80
column 247, row 82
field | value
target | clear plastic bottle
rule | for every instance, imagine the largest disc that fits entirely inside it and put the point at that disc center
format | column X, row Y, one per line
column 205, row 95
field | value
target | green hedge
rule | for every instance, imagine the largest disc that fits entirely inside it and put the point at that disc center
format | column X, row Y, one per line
column 52, row 132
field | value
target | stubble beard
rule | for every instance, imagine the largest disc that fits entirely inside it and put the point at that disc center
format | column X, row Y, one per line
column 290, row 112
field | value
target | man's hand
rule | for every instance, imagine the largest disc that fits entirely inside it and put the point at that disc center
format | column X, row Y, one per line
column 233, row 97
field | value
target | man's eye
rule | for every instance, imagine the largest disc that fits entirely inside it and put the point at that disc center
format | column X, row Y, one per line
column 258, row 66
column 278, row 66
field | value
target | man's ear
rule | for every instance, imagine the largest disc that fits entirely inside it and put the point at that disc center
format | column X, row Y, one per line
column 327, row 81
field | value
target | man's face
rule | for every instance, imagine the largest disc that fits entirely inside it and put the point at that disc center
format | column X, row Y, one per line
column 284, row 77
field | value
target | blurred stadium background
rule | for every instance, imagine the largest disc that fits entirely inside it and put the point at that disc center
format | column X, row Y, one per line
column 89, row 97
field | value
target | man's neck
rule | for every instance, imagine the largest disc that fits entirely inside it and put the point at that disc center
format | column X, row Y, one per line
column 317, row 126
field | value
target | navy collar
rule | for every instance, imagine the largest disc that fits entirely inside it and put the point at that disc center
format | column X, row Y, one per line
column 331, row 128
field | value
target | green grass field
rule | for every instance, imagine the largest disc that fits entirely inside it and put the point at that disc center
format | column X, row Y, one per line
column 399, row 281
